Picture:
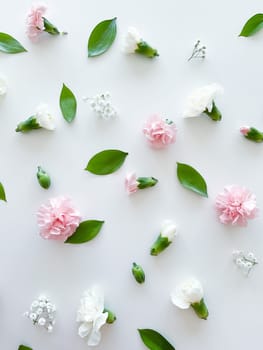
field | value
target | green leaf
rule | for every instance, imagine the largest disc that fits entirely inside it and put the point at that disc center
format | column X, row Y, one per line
column 106, row 162
column 154, row 340
column 86, row 231
column 68, row 104
column 253, row 25
column 23, row 347
column 102, row 37
column 2, row 193
column 8, row 44
column 191, row 179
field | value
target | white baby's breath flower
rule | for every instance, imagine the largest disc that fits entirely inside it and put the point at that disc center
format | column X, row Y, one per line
column 44, row 118
column 131, row 40
column 3, row 85
column 91, row 315
column 202, row 101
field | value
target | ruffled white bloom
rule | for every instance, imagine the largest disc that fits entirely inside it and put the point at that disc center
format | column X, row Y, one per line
column 3, row 85
column 168, row 230
column 187, row 293
column 202, row 99
column 91, row 315
column 44, row 118
column 131, row 40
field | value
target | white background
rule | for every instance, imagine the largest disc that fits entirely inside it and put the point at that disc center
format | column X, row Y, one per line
column 30, row 265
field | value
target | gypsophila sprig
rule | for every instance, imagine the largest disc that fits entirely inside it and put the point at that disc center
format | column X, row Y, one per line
column 41, row 119
column 199, row 51
column 244, row 261
column 42, row 313
column 165, row 238
column 133, row 43
column 251, row 134
column 102, row 106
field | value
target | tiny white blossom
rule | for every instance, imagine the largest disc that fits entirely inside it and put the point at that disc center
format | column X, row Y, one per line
column 131, row 40
column 187, row 293
column 202, row 99
column 44, row 118
column 91, row 315
column 168, row 230
column 3, row 85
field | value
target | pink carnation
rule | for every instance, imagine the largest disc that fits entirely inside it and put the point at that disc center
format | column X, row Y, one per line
column 131, row 183
column 159, row 132
column 244, row 130
column 35, row 21
column 235, row 205
column 58, row 219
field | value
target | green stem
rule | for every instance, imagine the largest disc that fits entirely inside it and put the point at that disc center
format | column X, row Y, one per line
column 145, row 182
column 201, row 309
column 215, row 114
column 254, row 135
column 159, row 245
column 28, row 124
column 50, row 28
column 143, row 48
column 111, row 316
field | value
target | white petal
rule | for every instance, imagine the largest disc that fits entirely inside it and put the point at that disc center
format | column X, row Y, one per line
column 84, row 329
column 178, row 300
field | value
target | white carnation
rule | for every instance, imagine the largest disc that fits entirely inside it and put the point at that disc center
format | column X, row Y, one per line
column 131, row 40
column 187, row 293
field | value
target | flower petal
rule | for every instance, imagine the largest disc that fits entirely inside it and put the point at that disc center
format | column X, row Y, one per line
column 84, row 329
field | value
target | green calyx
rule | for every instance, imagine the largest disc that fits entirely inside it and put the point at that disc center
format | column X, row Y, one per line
column 254, row 135
column 138, row 273
column 215, row 114
column 159, row 245
column 111, row 316
column 146, row 50
column 43, row 178
column 50, row 28
column 28, row 124
column 201, row 309
column 145, row 182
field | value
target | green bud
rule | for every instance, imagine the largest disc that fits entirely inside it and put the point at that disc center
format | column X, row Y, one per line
column 146, row 50
column 111, row 316
column 27, row 125
column 254, row 135
column 145, row 182
column 201, row 309
column 43, row 178
column 159, row 245
column 138, row 273
column 215, row 114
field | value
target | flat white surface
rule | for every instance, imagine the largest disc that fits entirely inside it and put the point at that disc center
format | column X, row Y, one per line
column 30, row 265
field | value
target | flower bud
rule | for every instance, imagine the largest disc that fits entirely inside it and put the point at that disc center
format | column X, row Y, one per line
column 146, row 50
column 43, row 178
column 111, row 316
column 138, row 273
column 251, row 134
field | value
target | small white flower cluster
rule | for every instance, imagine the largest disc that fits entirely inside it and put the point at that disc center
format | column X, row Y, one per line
column 102, row 106
column 42, row 313
column 244, row 261
column 199, row 51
